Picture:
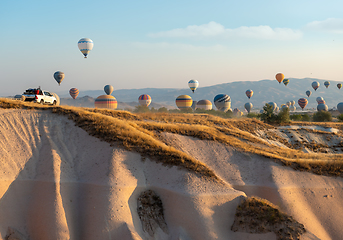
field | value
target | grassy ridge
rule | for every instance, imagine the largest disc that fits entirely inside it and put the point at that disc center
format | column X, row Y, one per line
column 139, row 132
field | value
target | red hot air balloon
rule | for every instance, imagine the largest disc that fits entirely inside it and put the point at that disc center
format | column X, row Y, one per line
column 249, row 93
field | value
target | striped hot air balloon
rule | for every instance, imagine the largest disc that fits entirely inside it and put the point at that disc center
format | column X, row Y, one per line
column 106, row 101
column 321, row 101
column 144, row 100
column 326, row 84
column 315, row 85
column 285, row 81
column 183, row 102
column 249, row 93
column 193, row 85
column 204, row 104
column 85, row 45
column 108, row 89
column 222, row 102
column 302, row 102
column 74, row 92
column 279, row 77
column 339, row 85
column 59, row 76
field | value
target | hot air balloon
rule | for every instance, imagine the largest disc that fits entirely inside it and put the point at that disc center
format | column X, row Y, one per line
column 204, row 104
column 237, row 112
column 284, row 106
column 194, row 105
column 74, row 92
column 193, row 84
column 308, row 93
column 326, row 84
column 285, row 81
column 315, row 85
column 302, row 103
column 340, row 107
column 288, row 103
column 292, row 108
column 339, row 85
column 183, row 102
column 249, row 93
column 222, row 102
column 319, row 99
column 59, row 77
column 292, row 103
column 274, row 105
column 322, row 107
column 248, row 106
column 279, row 77
column 144, row 100
column 108, row 89
column 106, row 101
column 85, row 45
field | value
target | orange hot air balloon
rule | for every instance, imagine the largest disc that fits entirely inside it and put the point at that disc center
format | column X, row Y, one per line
column 302, row 103
column 74, row 92
column 279, row 77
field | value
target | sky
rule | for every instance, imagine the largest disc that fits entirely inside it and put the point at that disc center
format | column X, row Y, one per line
column 164, row 44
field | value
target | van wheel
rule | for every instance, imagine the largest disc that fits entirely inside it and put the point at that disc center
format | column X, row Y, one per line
column 54, row 103
column 42, row 102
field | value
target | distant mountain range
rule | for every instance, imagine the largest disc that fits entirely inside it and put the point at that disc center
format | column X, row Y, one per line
column 264, row 91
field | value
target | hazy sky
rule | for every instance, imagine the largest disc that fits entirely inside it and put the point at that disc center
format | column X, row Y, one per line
column 164, row 44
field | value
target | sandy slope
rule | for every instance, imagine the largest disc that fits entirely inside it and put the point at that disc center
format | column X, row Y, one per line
column 57, row 182
column 315, row 201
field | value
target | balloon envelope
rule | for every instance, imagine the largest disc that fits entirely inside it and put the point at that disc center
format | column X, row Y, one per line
column 193, row 84
column 308, row 93
column 106, row 101
column 302, row 102
column 285, row 81
column 74, row 92
column 279, row 77
column 249, row 93
column 273, row 104
column 322, row 107
column 340, row 107
column 204, row 104
column 319, row 99
column 326, row 84
column 339, row 85
column 248, row 106
column 222, row 102
column 292, row 108
column 183, row 102
column 144, row 100
column 108, row 89
column 292, row 103
column 315, row 85
column 59, row 77
column 85, row 45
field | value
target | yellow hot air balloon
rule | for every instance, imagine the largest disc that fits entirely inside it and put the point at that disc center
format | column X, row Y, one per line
column 106, row 101
column 183, row 102
column 279, row 77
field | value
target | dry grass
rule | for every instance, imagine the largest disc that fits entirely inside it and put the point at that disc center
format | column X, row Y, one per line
column 139, row 132
column 255, row 215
